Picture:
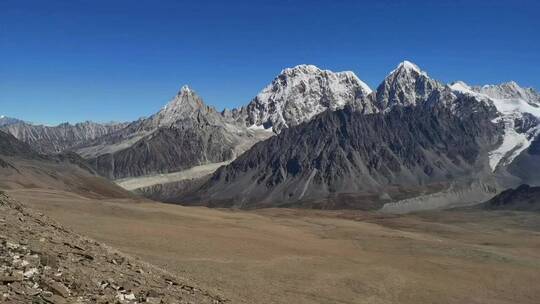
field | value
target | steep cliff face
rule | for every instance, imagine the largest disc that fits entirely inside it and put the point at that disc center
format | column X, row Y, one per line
column 299, row 93
column 407, row 85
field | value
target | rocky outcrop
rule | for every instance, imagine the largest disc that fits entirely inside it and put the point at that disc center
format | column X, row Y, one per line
column 522, row 198
column 43, row 262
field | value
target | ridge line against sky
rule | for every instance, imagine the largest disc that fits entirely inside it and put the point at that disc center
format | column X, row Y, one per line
column 120, row 60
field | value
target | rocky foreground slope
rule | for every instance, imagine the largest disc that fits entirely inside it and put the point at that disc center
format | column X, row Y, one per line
column 43, row 262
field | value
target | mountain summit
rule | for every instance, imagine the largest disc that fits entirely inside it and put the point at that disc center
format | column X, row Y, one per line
column 299, row 93
column 405, row 86
column 186, row 105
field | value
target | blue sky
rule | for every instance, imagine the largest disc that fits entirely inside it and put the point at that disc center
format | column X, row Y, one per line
column 119, row 60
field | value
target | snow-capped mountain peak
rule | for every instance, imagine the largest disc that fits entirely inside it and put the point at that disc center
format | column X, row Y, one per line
column 184, row 89
column 510, row 90
column 186, row 99
column 301, row 92
column 407, row 66
column 406, row 85
column 301, row 68
column 186, row 104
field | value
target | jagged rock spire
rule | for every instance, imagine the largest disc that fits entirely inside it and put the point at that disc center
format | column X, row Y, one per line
column 406, row 85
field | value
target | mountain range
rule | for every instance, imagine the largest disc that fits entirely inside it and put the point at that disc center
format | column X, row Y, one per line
column 322, row 139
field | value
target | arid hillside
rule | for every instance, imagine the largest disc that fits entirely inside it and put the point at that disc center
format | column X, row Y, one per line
column 307, row 256
column 43, row 262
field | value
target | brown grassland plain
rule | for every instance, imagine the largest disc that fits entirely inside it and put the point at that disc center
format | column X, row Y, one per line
column 308, row 256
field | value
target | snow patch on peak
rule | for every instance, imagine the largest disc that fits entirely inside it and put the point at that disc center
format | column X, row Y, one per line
column 408, row 66
column 185, row 89
column 301, row 92
column 513, row 103
column 463, row 88
column 303, row 68
column 460, row 85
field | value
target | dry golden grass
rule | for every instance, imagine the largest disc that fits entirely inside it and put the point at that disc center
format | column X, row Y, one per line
column 304, row 256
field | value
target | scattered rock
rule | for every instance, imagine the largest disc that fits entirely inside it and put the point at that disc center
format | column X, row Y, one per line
column 44, row 263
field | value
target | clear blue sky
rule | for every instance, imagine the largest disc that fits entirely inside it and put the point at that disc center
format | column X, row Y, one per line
column 118, row 60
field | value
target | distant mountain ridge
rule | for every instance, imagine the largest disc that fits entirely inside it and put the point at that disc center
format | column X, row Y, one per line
column 425, row 138
column 56, row 139
column 494, row 131
column 6, row 121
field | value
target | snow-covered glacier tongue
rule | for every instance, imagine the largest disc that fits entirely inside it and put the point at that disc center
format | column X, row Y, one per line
column 519, row 111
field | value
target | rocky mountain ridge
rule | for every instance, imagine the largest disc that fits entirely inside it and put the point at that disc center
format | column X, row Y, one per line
column 187, row 133
column 5, row 121
column 56, row 139
column 426, row 138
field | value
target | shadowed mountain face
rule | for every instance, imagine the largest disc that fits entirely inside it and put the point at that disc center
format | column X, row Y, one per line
column 523, row 198
column 22, row 167
column 11, row 146
column 167, row 150
column 346, row 158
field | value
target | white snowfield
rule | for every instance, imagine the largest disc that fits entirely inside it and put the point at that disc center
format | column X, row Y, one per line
column 512, row 102
column 133, row 183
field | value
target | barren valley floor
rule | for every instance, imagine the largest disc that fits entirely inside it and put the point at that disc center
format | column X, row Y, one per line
column 307, row 256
